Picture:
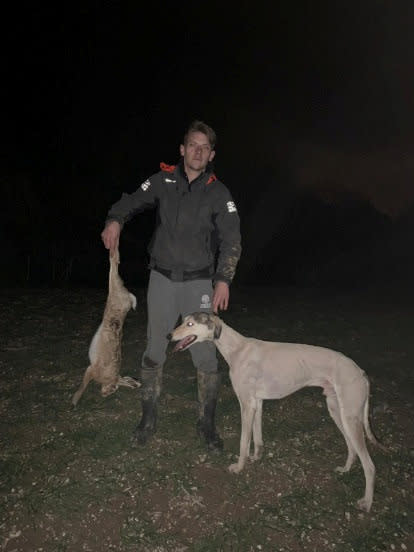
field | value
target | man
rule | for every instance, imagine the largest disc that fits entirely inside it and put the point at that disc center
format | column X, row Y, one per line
column 196, row 217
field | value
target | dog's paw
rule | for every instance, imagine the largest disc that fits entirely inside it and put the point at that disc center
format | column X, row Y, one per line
column 341, row 469
column 364, row 504
column 235, row 468
column 257, row 455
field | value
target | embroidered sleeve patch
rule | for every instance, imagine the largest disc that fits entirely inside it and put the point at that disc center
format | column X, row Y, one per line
column 145, row 185
column 231, row 207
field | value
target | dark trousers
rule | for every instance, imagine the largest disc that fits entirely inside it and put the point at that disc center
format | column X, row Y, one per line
column 166, row 301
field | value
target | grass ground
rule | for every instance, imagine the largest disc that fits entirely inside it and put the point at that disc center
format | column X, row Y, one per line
column 71, row 480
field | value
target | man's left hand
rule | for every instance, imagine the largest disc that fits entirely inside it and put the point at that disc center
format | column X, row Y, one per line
column 221, row 296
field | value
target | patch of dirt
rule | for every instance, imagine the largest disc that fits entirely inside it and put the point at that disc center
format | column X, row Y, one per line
column 72, row 479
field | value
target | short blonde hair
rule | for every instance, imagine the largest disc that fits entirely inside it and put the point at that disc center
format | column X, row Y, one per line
column 199, row 126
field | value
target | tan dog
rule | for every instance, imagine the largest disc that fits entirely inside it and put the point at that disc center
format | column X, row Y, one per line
column 105, row 348
column 265, row 370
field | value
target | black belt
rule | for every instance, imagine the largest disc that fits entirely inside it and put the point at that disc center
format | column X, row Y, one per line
column 184, row 275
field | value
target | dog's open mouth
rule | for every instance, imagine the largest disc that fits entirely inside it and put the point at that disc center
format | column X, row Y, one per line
column 184, row 343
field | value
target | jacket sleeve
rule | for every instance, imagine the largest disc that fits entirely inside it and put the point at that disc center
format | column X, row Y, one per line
column 227, row 224
column 145, row 197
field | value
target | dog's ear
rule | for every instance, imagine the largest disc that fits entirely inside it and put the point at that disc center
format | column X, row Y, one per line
column 217, row 329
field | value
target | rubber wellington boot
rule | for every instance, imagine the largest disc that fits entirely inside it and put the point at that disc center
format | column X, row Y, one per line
column 151, row 388
column 208, row 385
column 148, row 424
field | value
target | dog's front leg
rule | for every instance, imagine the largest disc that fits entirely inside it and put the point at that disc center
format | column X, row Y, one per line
column 247, row 415
column 257, row 432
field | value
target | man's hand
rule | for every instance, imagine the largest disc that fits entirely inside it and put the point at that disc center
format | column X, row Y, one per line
column 110, row 235
column 221, row 296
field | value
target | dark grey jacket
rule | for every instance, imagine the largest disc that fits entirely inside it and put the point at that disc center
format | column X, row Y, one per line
column 194, row 220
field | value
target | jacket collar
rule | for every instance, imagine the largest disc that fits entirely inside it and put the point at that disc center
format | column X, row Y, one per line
column 206, row 177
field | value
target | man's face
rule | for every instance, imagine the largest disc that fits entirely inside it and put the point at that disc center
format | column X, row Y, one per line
column 197, row 152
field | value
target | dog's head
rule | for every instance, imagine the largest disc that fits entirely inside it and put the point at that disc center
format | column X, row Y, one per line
column 195, row 328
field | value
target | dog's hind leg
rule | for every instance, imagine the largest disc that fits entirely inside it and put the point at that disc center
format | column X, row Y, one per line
column 247, row 410
column 353, row 402
column 333, row 408
column 354, row 428
column 257, row 431
column 86, row 379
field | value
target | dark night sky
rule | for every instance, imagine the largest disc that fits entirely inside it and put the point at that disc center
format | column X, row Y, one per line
column 98, row 93
column 107, row 89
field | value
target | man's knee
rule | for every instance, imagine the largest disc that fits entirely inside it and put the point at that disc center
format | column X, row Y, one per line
column 151, row 362
column 151, row 378
column 205, row 358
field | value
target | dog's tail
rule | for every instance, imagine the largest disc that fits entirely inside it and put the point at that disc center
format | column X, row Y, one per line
column 367, row 425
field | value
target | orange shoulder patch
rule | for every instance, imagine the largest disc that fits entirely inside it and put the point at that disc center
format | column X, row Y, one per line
column 212, row 178
column 167, row 168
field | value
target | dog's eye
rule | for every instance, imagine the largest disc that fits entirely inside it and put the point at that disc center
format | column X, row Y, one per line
column 190, row 323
